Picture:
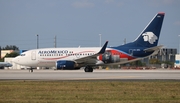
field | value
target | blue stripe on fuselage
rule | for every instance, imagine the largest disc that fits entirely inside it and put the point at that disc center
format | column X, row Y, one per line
column 133, row 51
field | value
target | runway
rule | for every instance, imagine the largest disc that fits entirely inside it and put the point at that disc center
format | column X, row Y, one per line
column 96, row 75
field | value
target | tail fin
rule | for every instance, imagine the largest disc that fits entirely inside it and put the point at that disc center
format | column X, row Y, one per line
column 149, row 37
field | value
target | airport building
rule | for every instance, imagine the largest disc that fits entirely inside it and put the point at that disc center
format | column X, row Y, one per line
column 177, row 62
column 164, row 55
column 167, row 54
column 4, row 52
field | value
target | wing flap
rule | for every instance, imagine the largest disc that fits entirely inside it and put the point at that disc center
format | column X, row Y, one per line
column 92, row 59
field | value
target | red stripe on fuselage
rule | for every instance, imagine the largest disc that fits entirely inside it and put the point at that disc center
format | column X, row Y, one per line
column 115, row 52
column 121, row 55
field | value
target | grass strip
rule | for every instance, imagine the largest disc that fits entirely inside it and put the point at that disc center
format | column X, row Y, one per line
column 90, row 91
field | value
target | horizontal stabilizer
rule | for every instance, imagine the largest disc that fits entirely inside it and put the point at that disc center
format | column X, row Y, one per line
column 153, row 48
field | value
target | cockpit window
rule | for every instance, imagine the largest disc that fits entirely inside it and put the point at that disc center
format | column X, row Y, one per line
column 22, row 54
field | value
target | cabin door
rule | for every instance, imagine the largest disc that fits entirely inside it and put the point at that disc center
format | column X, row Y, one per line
column 33, row 55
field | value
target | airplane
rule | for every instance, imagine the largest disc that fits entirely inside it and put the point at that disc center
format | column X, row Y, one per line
column 74, row 58
column 5, row 64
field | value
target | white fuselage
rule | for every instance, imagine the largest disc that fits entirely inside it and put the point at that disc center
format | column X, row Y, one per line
column 49, row 56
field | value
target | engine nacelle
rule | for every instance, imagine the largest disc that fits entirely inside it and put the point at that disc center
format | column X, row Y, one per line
column 66, row 65
column 108, row 57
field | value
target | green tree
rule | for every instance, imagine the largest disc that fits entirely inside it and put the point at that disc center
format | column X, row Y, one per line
column 10, row 47
column 168, row 63
column 154, row 61
column 137, row 63
column 13, row 54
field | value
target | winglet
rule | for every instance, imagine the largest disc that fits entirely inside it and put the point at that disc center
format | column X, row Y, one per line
column 103, row 49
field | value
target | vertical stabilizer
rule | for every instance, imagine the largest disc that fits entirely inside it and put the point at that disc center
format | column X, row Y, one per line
column 149, row 37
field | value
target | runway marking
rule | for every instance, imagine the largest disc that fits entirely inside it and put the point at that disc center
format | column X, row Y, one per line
column 112, row 77
column 81, row 75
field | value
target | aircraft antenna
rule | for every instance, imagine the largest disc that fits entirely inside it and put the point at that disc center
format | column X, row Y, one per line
column 37, row 41
column 55, row 41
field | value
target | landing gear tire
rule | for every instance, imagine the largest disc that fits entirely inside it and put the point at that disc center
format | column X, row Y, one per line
column 31, row 70
column 88, row 69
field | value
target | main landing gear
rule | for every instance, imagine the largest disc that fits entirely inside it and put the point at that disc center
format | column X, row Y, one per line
column 31, row 70
column 88, row 69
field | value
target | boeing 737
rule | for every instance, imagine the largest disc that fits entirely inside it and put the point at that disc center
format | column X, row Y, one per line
column 5, row 64
column 74, row 58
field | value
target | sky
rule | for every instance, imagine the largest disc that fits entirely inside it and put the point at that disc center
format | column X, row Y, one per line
column 80, row 22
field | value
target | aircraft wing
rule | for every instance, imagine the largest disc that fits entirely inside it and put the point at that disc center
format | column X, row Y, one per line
column 156, row 48
column 93, row 58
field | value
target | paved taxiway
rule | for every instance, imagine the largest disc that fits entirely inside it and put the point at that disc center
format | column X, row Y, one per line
column 96, row 75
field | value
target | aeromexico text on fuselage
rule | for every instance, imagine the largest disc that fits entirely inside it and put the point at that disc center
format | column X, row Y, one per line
column 54, row 52
column 61, row 52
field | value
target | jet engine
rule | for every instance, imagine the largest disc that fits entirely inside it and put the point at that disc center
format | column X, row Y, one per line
column 108, row 57
column 66, row 65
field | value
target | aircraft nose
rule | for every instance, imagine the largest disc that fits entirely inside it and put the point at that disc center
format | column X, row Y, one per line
column 15, row 60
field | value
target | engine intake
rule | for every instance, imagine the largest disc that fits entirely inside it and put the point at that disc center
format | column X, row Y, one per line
column 65, row 65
